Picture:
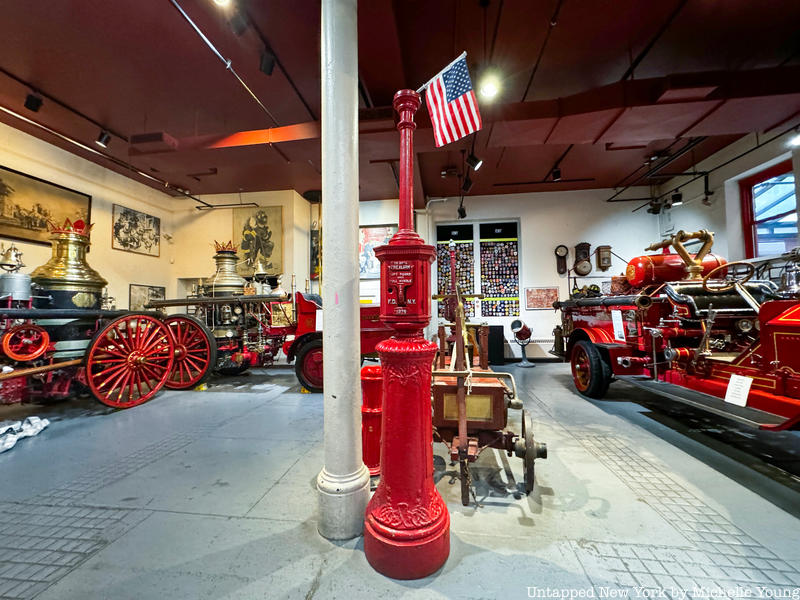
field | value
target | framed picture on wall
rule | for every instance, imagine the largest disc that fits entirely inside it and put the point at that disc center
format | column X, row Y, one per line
column 316, row 251
column 258, row 233
column 140, row 295
column 540, row 298
column 369, row 238
column 27, row 204
column 134, row 231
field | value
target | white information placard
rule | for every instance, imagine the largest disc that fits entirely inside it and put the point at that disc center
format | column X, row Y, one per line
column 319, row 319
column 619, row 326
column 738, row 390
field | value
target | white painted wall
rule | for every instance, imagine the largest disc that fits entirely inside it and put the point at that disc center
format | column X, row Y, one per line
column 301, row 244
column 196, row 231
column 27, row 154
column 547, row 220
column 724, row 216
column 694, row 215
column 376, row 212
column 379, row 212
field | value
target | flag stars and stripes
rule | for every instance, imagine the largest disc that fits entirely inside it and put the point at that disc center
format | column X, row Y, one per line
column 452, row 104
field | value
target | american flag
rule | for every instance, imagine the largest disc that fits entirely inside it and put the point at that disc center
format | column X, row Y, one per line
column 452, row 104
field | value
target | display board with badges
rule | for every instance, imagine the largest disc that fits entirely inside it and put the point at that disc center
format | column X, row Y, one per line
column 496, row 276
column 463, row 237
column 499, row 269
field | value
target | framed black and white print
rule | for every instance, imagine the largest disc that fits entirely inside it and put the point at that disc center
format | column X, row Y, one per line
column 135, row 231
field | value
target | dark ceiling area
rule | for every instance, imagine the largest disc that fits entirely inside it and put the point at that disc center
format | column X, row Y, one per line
column 602, row 90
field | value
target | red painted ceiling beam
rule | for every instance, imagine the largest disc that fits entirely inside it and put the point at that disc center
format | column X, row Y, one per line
column 673, row 90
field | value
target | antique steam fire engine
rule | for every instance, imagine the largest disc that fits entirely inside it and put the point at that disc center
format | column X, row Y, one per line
column 245, row 330
column 722, row 337
column 248, row 330
column 56, row 337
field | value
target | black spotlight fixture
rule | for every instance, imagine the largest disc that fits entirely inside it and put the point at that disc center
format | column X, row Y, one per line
column 462, row 212
column 467, row 185
column 103, row 139
column 33, row 102
column 267, row 63
column 677, row 199
column 474, row 162
column 556, row 173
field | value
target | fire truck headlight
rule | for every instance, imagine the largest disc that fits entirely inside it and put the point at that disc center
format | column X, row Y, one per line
column 744, row 325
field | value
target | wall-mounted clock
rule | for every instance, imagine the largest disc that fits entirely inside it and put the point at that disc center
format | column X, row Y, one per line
column 561, row 253
column 582, row 266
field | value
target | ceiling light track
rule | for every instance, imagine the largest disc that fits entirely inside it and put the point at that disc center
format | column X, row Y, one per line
column 647, row 199
column 268, row 48
column 553, row 22
column 108, row 157
column 646, row 50
column 705, row 174
column 227, row 205
column 667, row 160
column 227, row 62
column 671, row 175
column 44, row 95
column 544, row 182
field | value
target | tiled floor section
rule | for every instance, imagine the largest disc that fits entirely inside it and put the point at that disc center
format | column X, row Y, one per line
column 215, row 499
column 50, row 534
column 40, row 543
column 720, row 555
column 98, row 478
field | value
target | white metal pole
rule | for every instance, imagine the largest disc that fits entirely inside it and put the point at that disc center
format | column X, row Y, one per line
column 343, row 483
column 796, row 167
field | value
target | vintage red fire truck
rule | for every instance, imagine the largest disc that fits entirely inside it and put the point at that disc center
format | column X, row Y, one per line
column 249, row 331
column 722, row 337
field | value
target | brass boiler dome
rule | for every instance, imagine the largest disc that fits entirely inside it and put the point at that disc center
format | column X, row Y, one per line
column 226, row 281
column 66, row 278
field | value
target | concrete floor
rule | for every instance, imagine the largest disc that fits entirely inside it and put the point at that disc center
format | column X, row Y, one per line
column 211, row 495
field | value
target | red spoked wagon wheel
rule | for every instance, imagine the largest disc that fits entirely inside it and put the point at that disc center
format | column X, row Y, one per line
column 195, row 352
column 25, row 342
column 129, row 360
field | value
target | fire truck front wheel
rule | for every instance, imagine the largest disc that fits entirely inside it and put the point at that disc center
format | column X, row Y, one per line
column 591, row 374
column 308, row 365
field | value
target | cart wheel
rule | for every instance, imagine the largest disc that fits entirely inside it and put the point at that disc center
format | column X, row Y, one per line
column 465, row 481
column 25, row 342
column 308, row 366
column 129, row 360
column 529, row 460
column 195, row 352
column 590, row 373
column 533, row 450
